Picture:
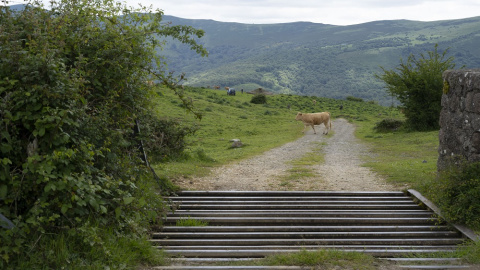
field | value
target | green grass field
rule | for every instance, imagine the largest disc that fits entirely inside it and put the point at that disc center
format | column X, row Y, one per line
column 406, row 159
column 264, row 126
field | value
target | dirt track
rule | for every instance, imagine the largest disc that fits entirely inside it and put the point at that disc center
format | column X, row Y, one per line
column 341, row 171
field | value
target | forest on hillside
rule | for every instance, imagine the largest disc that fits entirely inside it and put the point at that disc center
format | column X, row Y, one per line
column 317, row 59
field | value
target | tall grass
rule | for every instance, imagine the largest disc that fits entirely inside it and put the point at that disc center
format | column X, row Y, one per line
column 321, row 259
column 104, row 249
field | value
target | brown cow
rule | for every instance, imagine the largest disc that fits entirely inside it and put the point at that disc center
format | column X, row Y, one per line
column 312, row 119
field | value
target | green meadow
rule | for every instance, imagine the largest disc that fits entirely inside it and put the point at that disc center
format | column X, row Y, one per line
column 406, row 159
column 264, row 126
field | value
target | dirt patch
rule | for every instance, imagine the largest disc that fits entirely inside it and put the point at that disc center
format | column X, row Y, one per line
column 341, row 171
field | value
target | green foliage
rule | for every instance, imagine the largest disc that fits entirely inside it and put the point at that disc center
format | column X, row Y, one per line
column 166, row 138
column 418, row 84
column 190, row 222
column 352, row 98
column 259, row 99
column 388, row 125
column 95, row 248
column 321, row 259
column 457, row 193
column 470, row 252
column 70, row 92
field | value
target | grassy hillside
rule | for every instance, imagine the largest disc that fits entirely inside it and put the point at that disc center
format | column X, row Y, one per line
column 265, row 126
column 316, row 59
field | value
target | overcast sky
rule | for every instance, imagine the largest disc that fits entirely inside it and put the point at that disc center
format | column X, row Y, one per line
column 336, row 12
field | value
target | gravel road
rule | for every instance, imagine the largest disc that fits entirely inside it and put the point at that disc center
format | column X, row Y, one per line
column 341, row 171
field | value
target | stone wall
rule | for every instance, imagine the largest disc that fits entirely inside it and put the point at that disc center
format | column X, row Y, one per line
column 460, row 117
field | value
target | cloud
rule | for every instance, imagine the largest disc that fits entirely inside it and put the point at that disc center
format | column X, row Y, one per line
column 337, row 12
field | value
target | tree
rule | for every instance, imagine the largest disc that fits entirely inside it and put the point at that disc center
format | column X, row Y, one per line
column 73, row 82
column 417, row 84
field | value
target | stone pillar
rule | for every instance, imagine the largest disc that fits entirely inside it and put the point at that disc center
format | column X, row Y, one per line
column 460, row 117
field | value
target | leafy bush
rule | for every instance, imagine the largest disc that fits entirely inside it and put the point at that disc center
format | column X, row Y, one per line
column 70, row 92
column 388, row 124
column 259, row 99
column 416, row 83
column 457, row 193
column 166, row 138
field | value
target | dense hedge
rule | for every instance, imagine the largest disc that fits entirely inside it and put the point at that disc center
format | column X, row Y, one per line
column 72, row 83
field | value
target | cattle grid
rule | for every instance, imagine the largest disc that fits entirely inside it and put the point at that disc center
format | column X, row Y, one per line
column 245, row 225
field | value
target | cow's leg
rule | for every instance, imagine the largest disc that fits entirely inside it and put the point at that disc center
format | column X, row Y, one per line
column 328, row 126
column 314, row 132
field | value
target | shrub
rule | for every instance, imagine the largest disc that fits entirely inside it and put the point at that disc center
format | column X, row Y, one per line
column 165, row 138
column 70, row 92
column 416, row 83
column 259, row 99
column 388, row 124
column 457, row 193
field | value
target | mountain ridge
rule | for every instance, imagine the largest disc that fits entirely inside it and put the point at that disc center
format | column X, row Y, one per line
column 317, row 59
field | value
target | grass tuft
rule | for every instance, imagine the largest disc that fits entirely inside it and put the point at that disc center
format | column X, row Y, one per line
column 321, row 259
column 190, row 222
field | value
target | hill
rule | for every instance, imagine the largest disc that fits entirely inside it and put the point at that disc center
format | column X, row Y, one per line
column 316, row 59
column 260, row 126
